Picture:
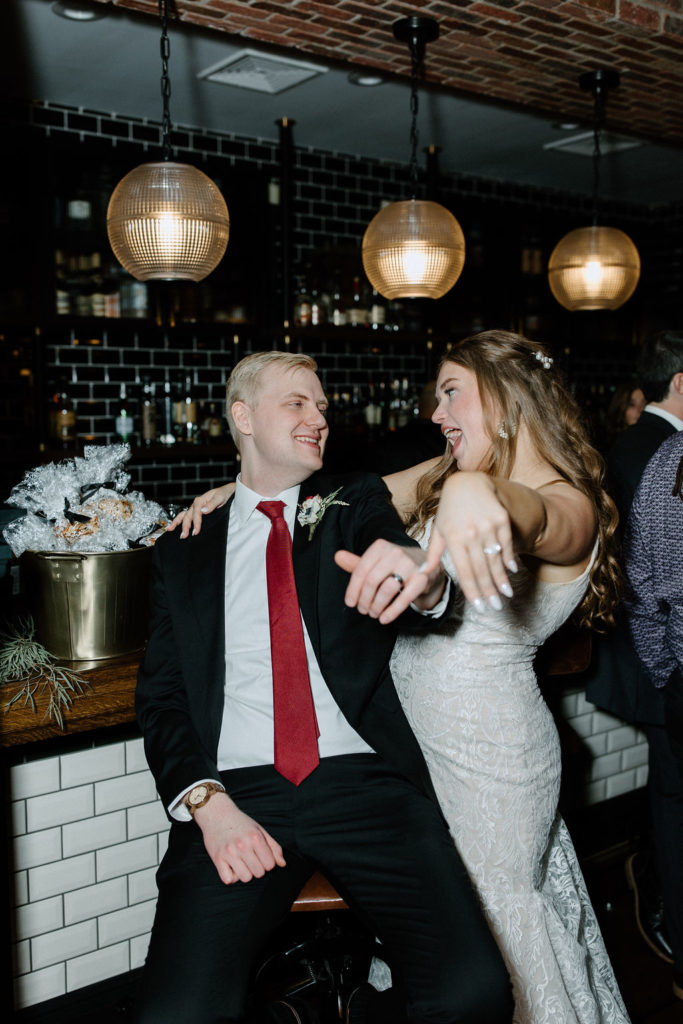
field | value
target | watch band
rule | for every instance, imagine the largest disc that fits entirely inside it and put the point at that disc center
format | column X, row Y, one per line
column 200, row 795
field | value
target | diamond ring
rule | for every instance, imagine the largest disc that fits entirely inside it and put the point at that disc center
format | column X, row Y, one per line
column 492, row 549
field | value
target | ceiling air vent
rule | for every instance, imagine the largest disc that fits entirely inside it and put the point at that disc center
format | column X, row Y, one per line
column 250, row 69
column 582, row 144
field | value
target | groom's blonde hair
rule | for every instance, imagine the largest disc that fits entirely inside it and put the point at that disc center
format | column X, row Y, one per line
column 244, row 381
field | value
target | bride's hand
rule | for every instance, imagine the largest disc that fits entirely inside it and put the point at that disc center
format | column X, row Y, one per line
column 475, row 527
column 191, row 518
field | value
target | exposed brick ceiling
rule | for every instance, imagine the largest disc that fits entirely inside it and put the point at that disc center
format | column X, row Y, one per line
column 527, row 53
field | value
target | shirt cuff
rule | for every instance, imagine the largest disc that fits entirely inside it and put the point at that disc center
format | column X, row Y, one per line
column 177, row 809
column 441, row 605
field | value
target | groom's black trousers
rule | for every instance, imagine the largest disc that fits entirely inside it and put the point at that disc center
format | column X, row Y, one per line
column 386, row 848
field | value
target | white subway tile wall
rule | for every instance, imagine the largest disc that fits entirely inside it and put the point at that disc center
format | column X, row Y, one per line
column 89, row 832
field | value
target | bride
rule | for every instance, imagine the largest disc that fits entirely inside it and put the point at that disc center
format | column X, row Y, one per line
column 525, row 531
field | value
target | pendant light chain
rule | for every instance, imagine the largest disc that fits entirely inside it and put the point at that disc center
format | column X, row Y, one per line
column 165, row 47
column 414, row 135
column 598, row 117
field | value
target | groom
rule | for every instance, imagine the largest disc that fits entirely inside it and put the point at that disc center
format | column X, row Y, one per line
column 276, row 738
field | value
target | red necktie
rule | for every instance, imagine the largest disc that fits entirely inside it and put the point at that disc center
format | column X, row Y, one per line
column 295, row 724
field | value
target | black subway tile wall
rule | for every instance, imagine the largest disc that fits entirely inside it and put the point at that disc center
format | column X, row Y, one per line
column 335, row 196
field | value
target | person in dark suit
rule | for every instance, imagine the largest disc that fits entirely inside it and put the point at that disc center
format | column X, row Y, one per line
column 245, row 834
column 654, row 603
column 617, row 681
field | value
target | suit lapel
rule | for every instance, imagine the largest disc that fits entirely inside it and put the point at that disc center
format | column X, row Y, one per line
column 206, row 572
column 306, row 559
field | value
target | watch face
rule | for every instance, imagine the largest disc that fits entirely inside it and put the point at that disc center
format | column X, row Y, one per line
column 197, row 794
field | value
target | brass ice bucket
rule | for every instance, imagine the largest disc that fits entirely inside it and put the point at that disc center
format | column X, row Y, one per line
column 87, row 607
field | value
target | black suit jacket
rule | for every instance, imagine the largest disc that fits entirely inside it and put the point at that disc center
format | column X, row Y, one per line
column 630, row 454
column 179, row 696
column 616, row 680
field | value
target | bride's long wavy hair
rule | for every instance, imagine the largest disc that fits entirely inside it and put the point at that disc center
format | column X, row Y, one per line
column 518, row 383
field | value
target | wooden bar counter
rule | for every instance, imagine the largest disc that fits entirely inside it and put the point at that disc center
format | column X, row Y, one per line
column 108, row 701
column 111, row 697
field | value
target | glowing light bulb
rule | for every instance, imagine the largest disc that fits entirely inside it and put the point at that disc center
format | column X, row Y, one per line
column 415, row 264
column 592, row 274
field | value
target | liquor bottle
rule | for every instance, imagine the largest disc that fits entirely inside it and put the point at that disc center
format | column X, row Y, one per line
column 167, row 437
column 214, row 429
column 62, row 305
column 337, row 310
column 97, row 298
column 406, row 404
column 358, row 314
column 62, row 417
column 148, row 425
column 124, row 424
column 111, row 288
column 85, row 286
column 378, row 311
column 394, row 405
column 373, row 413
column 318, row 307
column 185, row 421
column 302, row 305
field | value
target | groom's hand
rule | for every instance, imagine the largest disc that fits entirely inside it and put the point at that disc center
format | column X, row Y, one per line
column 388, row 578
column 239, row 848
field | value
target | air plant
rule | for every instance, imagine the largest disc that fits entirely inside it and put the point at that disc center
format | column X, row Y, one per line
column 24, row 660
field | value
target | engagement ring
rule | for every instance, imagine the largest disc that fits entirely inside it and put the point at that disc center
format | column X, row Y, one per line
column 493, row 549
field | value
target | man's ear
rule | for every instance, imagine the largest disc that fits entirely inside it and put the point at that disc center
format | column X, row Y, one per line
column 241, row 416
column 677, row 383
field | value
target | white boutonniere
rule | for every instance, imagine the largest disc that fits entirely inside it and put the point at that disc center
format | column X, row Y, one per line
column 313, row 508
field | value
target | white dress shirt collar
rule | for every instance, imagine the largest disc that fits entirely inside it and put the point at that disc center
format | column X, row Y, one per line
column 657, row 410
column 246, row 500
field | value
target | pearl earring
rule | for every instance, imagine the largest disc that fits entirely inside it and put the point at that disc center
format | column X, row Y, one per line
column 502, row 432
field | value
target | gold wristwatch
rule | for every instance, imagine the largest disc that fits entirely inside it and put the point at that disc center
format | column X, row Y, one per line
column 200, row 795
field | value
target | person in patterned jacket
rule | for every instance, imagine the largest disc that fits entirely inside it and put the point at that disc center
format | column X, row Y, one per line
column 654, row 604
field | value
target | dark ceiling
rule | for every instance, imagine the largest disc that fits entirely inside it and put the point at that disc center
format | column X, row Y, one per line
column 500, row 79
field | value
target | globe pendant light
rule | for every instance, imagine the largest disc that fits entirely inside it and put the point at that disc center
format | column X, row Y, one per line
column 166, row 220
column 594, row 267
column 414, row 248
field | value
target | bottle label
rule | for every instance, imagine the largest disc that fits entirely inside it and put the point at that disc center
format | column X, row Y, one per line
column 149, row 423
column 302, row 315
column 357, row 316
column 64, row 424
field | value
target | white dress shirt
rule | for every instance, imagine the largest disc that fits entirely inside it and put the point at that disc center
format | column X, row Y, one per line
column 247, row 730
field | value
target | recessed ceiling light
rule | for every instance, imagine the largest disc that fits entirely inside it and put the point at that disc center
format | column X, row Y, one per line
column 80, row 10
column 566, row 126
column 365, row 78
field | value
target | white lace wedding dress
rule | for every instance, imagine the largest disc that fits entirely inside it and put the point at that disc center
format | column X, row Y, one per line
column 471, row 696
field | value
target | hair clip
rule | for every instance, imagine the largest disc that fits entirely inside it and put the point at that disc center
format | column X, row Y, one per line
column 546, row 361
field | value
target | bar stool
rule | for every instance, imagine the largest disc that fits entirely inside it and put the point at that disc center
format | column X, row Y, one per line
column 318, row 894
column 309, row 977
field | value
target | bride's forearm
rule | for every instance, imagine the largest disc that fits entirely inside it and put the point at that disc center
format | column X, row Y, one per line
column 403, row 485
